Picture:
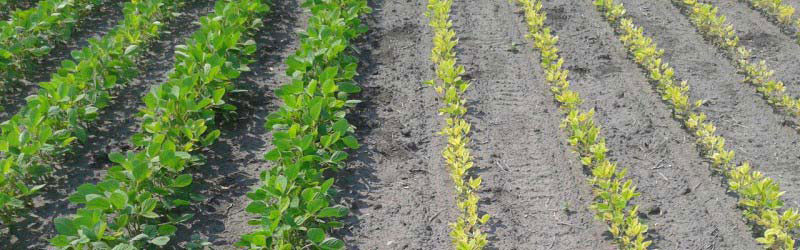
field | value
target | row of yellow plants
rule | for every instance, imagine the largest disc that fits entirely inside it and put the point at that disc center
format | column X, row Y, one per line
column 715, row 28
column 759, row 196
column 466, row 231
column 781, row 13
column 613, row 194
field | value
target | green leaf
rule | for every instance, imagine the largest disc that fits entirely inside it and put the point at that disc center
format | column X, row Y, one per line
column 5, row 54
column 351, row 142
column 256, row 207
column 273, row 155
column 328, row 87
column 130, row 48
column 116, row 157
column 218, row 93
column 98, row 203
column 309, row 194
column 119, row 199
column 160, row 240
column 281, row 183
column 316, row 205
column 341, row 126
column 124, row 246
column 332, row 243
column 182, row 180
column 60, row 241
column 326, row 185
column 292, row 171
column 335, row 211
column 167, row 229
column 329, row 74
column 183, row 155
column 349, row 87
column 316, row 108
column 316, row 235
column 64, row 226
column 211, row 137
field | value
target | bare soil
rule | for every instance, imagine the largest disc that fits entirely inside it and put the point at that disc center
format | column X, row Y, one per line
column 535, row 189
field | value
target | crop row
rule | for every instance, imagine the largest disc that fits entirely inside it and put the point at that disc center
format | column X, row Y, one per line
column 779, row 12
column 294, row 201
column 613, row 194
column 466, row 230
column 133, row 207
column 34, row 138
column 715, row 28
column 759, row 196
column 32, row 33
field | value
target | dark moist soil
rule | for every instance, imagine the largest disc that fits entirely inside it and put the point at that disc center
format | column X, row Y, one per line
column 96, row 25
column 111, row 133
column 757, row 133
column 682, row 201
column 236, row 160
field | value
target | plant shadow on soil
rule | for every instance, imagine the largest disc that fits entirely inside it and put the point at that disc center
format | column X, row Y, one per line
column 225, row 174
column 110, row 133
column 353, row 181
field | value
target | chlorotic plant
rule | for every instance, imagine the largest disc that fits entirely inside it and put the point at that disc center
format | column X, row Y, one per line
column 466, row 231
column 294, row 202
column 58, row 115
column 32, row 33
column 778, row 12
column 135, row 206
column 715, row 28
column 759, row 196
column 613, row 194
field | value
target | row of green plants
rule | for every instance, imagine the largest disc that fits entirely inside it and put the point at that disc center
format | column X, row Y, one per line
column 613, row 194
column 465, row 232
column 33, row 140
column 31, row 34
column 778, row 12
column 138, row 205
column 759, row 196
column 715, row 28
column 294, row 201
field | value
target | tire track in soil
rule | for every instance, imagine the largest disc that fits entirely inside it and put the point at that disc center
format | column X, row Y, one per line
column 397, row 186
column 111, row 132
column 534, row 186
column 95, row 25
column 766, row 40
column 682, row 201
column 235, row 161
column 750, row 126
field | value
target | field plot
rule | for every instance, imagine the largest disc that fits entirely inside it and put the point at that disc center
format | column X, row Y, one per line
column 414, row 124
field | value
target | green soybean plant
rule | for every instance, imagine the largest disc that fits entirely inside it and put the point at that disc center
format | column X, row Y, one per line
column 57, row 116
column 135, row 206
column 294, row 201
column 32, row 33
